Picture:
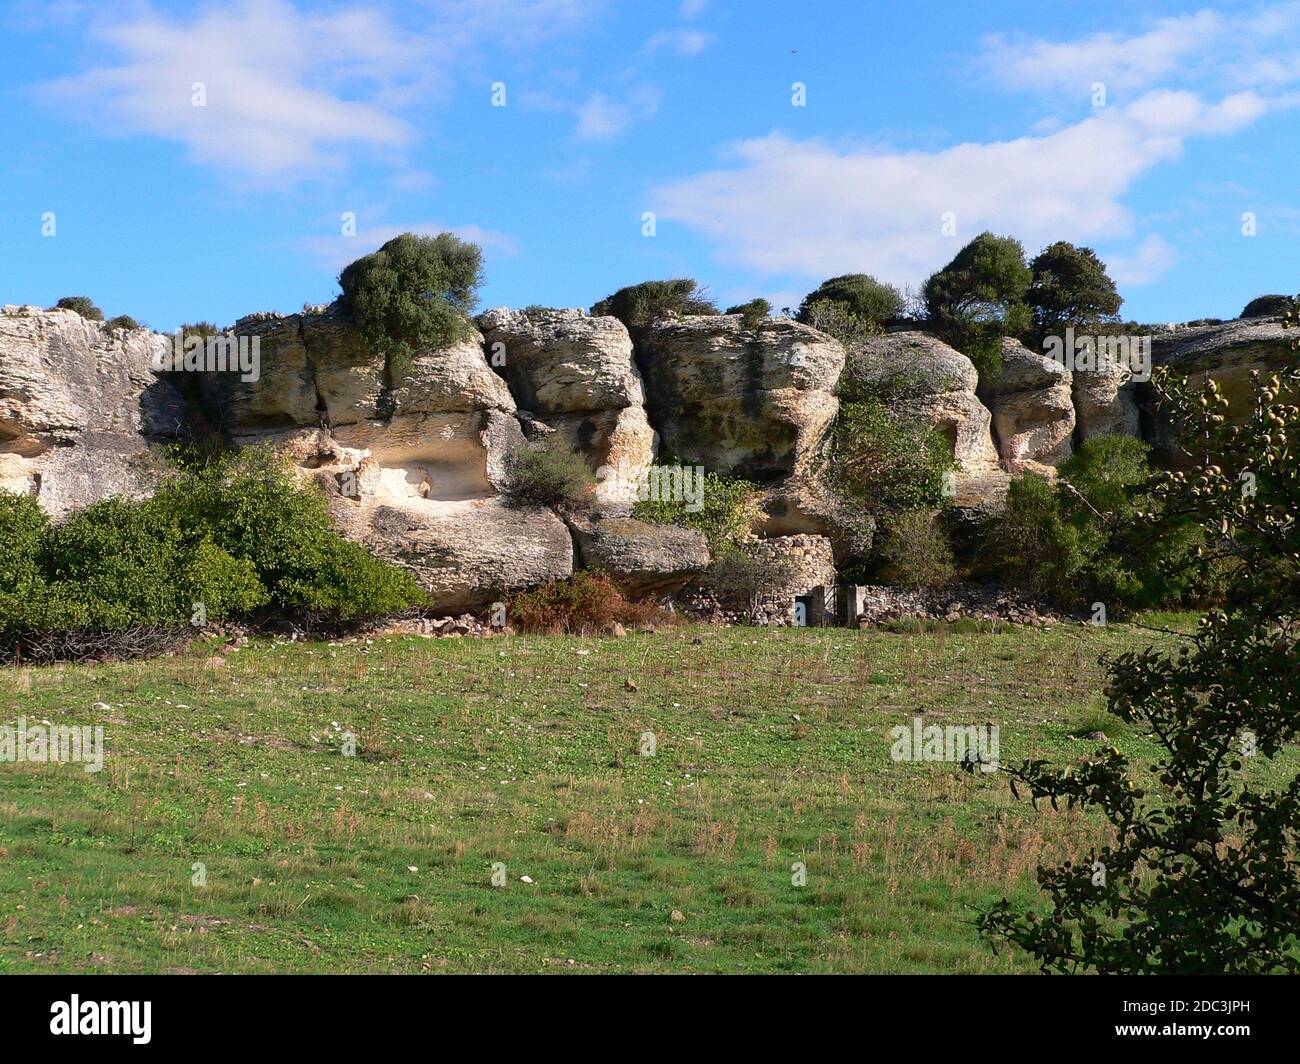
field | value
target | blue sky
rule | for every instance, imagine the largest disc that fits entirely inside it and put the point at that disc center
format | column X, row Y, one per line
column 685, row 108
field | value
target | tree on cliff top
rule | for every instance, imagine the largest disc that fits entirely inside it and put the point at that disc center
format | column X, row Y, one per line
column 1070, row 287
column 867, row 299
column 414, row 292
column 639, row 305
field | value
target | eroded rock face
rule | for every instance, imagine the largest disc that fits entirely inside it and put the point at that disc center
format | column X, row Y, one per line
column 917, row 375
column 802, row 505
column 79, row 406
column 1228, row 352
column 641, row 557
column 1032, row 403
column 747, row 402
column 574, row 375
column 1105, row 402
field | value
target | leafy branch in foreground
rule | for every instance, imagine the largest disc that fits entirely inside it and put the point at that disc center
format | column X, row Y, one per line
column 1202, row 873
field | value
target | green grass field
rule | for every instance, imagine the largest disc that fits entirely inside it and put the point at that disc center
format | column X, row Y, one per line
column 771, row 748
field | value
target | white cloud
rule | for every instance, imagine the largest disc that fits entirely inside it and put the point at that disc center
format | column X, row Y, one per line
column 682, row 42
column 293, row 92
column 601, row 117
column 693, row 8
column 1240, row 49
column 1150, row 260
column 811, row 209
column 272, row 78
column 335, row 252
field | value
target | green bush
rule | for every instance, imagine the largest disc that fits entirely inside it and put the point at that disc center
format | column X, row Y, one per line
column 752, row 312
column 724, row 518
column 1080, row 541
column 1267, row 306
column 123, row 322
column 639, row 305
column 235, row 535
column 414, row 292
column 547, row 472
column 83, row 305
column 871, row 302
column 883, row 463
column 914, row 551
column 1032, row 543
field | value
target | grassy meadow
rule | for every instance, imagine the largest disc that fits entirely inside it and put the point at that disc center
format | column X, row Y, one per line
column 229, row 832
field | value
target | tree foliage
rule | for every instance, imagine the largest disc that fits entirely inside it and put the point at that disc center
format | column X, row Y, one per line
column 640, row 305
column 979, row 297
column 1070, row 287
column 414, row 292
column 863, row 297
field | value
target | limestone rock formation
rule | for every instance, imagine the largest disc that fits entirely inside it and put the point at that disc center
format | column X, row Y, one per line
column 1105, row 401
column 574, row 375
column 642, row 558
column 1228, row 352
column 918, row 375
column 748, row 402
column 1032, row 403
column 802, row 505
column 79, row 405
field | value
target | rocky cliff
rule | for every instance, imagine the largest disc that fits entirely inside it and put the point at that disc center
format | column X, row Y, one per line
column 413, row 459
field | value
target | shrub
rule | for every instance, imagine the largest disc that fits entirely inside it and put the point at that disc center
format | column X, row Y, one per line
column 414, row 292
column 914, row 552
column 752, row 312
column 835, row 319
column 1070, row 287
column 587, row 603
column 739, row 576
column 882, row 462
column 640, row 305
column 1080, row 541
column 979, row 297
column 1267, row 306
column 1033, row 544
column 83, row 305
column 724, row 518
column 250, row 506
column 546, row 472
column 871, row 302
column 123, row 322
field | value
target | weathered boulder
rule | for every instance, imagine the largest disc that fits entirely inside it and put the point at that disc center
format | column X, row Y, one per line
column 918, row 375
column 749, row 402
column 1105, row 401
column 574, row 375
column 562, row 361
column 468, row 553
column 1229, row 352
column 1032, row 403
column 642, row 558
column 79, row 405
column 315, row 367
